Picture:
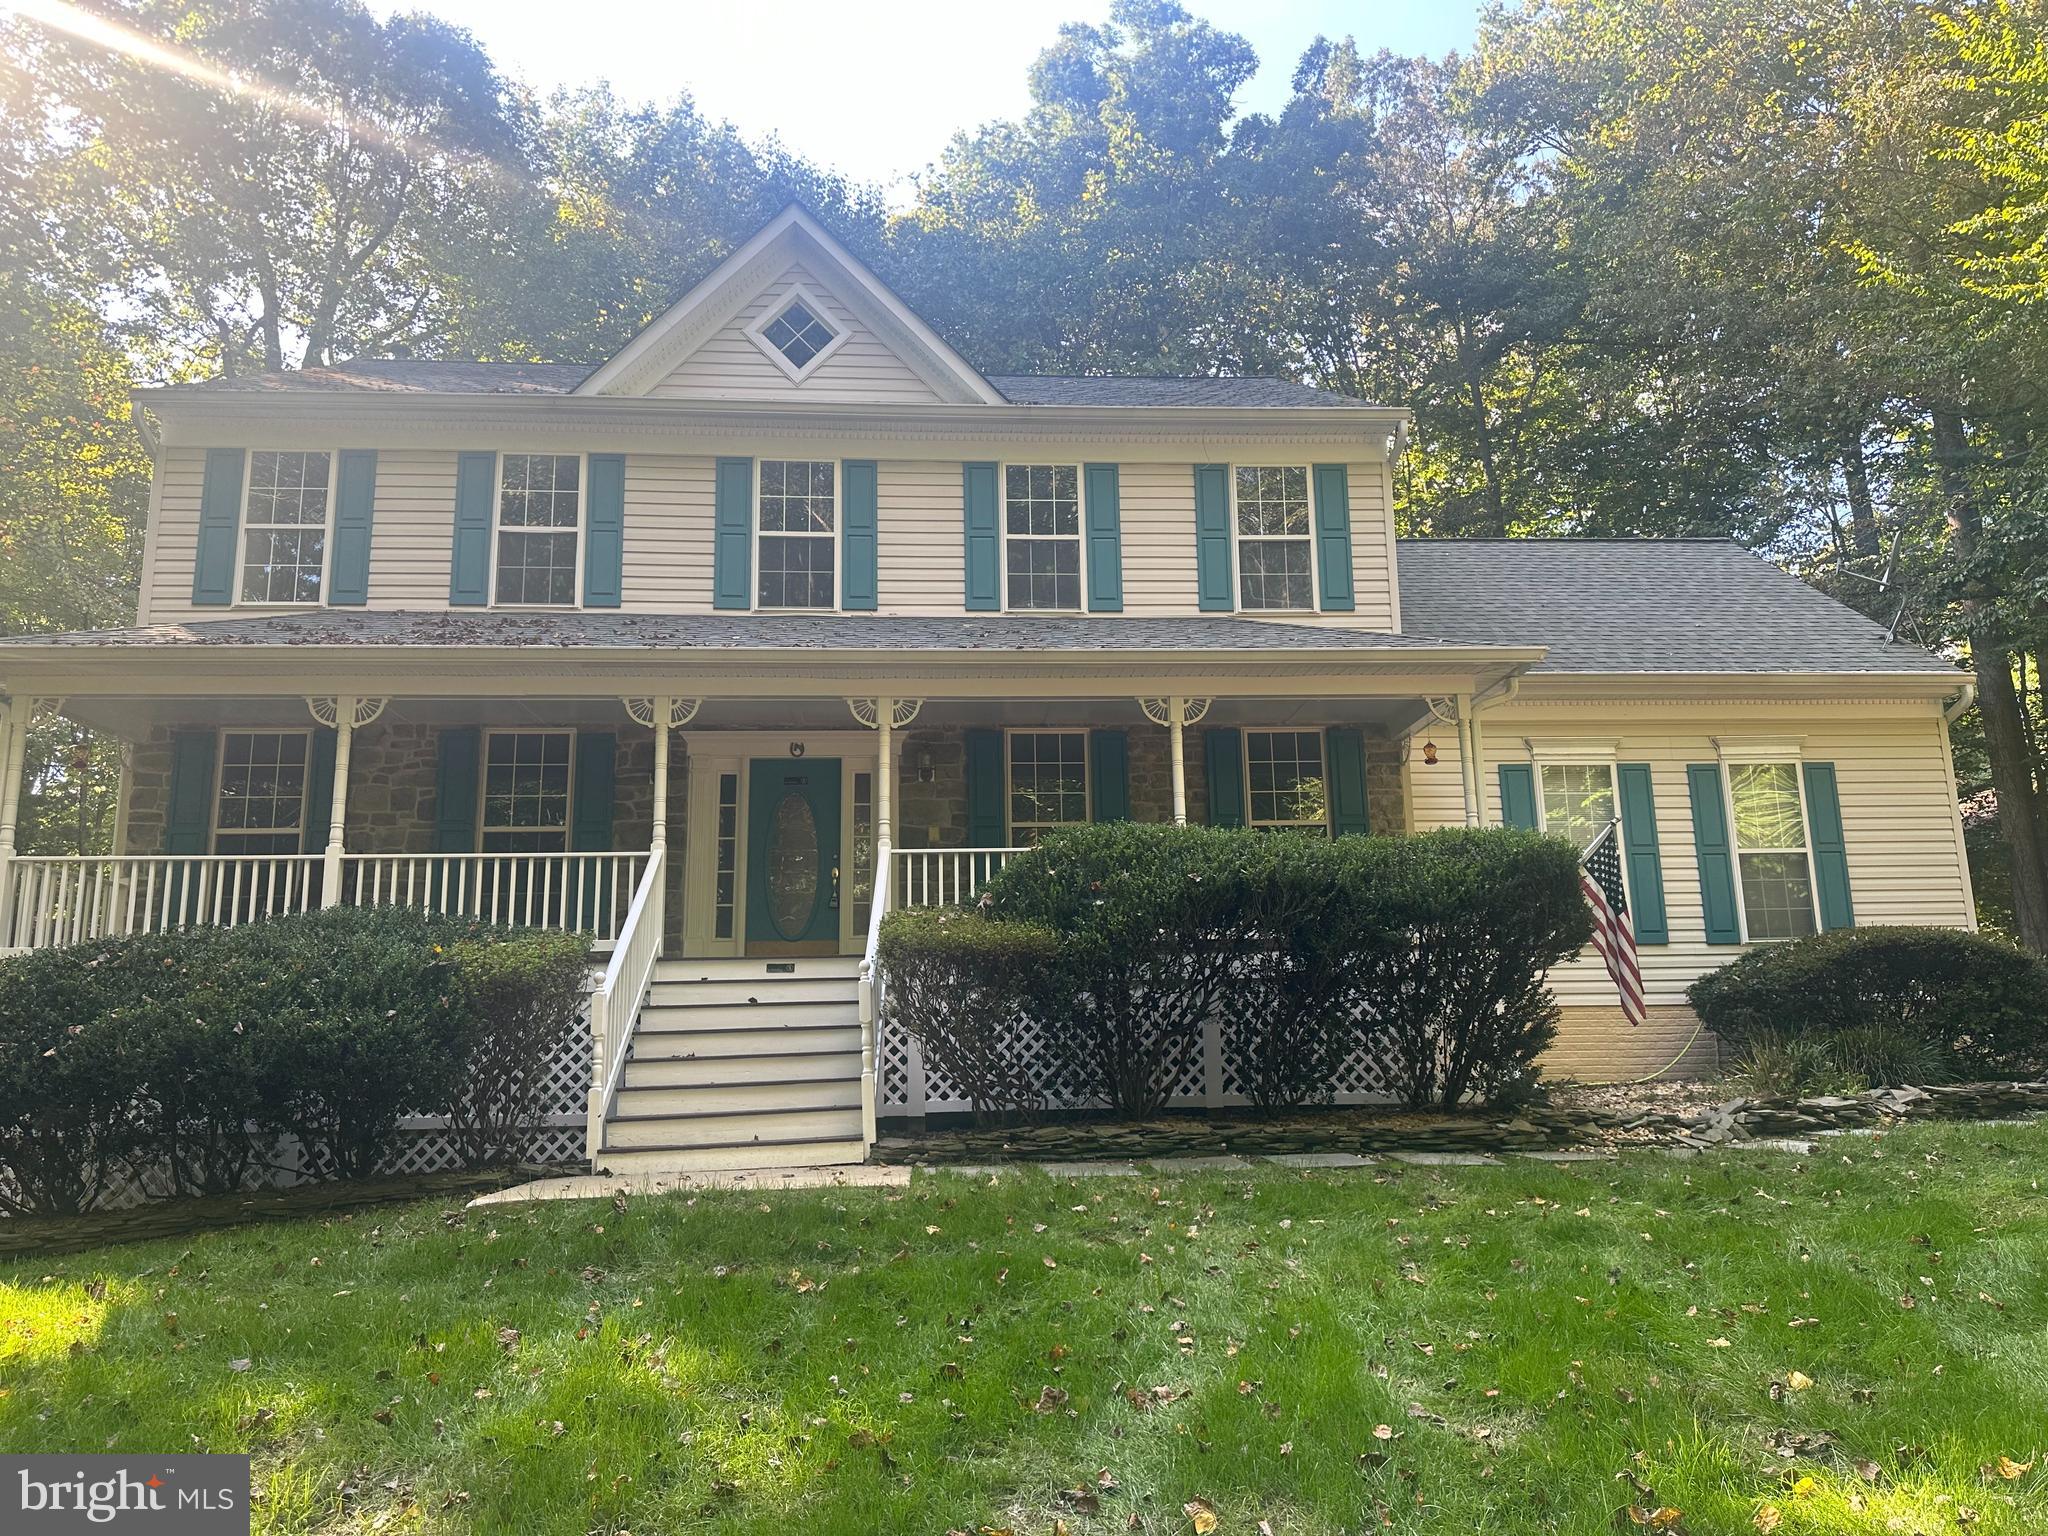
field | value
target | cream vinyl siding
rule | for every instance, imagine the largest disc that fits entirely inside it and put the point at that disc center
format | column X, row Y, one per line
column 670, row 516
column 1891, row 767
column 412, row 529
column 730, row 366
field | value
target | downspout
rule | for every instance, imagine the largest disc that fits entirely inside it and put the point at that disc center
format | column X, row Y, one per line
column 151, row 441
column 1507, row 691
column 1961, row 707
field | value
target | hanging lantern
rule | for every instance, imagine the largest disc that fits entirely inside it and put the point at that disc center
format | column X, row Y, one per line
column 1429, row 752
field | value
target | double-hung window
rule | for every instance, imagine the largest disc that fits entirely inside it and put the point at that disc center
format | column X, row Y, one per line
column 1577, row 800
column 526, row 792
column 1275, row 553
column 1773, row 865
column 1042, row 535
column 1048, row 782
column 260, row 800
column 1284, row 779
column 540, row 506
column 284, row 526
column 799, row 533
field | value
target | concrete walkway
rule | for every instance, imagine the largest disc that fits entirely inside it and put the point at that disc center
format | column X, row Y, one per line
column 593, row 1186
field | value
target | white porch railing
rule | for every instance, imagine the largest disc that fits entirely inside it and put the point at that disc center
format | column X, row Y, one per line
column 616, row 1002
column 938, row 877
column 588, row 891
column 69, row 900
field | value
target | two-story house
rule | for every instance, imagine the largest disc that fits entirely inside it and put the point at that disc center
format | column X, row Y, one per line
column 787, row 613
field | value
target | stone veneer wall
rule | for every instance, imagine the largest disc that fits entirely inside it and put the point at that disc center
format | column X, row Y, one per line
column 934, row 814
column 391, row 790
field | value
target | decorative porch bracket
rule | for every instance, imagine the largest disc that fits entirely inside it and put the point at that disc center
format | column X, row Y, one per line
column 885, row 717
column 674, row 713
column 1177, row 714
column 1456, row 712
column 346, row 713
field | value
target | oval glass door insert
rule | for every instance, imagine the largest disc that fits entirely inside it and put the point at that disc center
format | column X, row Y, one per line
column 793, row 865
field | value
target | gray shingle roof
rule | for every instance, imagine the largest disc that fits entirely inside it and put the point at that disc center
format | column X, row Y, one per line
column 699, row 631
column 1076, row 389
column 1639, row 605
column 412, row 376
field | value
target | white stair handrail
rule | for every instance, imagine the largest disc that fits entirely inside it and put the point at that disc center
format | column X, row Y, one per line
column 616, row 1002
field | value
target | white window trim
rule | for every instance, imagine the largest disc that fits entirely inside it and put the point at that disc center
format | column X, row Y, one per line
column 220, row 766
column 483, row 783
column 1743, row 754
column 327, row 528
column 756, row 333
column 1238, row 541
column 498, row 527
column 1003, row 468
column 1087, row 777
column 1244, row 748
column 838, row 533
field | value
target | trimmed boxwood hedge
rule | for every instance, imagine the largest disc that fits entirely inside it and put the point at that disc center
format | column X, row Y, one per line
column 1880, row 1003
column 1429, row 952
column 181, row 1059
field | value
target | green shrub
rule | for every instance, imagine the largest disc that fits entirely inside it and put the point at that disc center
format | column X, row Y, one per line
column 1935, row 1003
column 71, row 1111
column 1430, row 951
column 1152, row 921
column 962, row 986
column 522, row 995
column 178, row 1059
column 1457, row 931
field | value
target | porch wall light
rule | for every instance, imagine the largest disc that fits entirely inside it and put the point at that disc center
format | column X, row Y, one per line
column 925, row 771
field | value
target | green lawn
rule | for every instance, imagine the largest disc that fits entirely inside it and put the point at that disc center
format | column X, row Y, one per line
column 1464, row 1349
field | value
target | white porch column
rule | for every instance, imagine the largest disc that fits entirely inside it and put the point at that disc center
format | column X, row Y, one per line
column 344, row 712
column 124, row 790
column 1468, row 770
column 1176, row 714
column 1478, row 773
column 658, row 835
column 885, row 786
column 13, row 748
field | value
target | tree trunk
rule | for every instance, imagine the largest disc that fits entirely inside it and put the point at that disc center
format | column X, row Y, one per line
column 1998, row 703
column 1856, row 476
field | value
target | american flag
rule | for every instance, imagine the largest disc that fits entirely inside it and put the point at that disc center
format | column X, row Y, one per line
column 1613, row 935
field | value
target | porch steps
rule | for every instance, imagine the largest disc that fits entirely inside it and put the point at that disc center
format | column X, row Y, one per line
column 734, row 1065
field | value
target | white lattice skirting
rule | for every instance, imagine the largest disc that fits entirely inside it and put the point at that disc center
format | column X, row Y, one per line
column 1208, row 1080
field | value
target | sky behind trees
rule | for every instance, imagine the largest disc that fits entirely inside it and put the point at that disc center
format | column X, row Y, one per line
column 876, row 90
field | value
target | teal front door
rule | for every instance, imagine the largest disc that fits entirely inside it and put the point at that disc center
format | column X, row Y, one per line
column 793, row 856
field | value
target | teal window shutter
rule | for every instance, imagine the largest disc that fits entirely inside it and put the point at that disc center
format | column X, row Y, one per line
column 1213, row 581
column 1105, row 539
column 1345, row 746
column 355, row 500
column 1830, row 852
column 476, row 494
column 319, row 791
column 590, row 818
column 604, row 524
column 981, row 522
column 1109, row 770
column 1639, row 850
column 859, row 542
column 188, row 817
column 1333, row 536
column 986, row 825
column 733, row 563
column 1223, row 765
column 1716, row 858
column 220, row 519
column 1518, row 796
column 455, row 787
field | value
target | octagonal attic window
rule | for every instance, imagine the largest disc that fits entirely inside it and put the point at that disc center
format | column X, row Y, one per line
column 799, row 333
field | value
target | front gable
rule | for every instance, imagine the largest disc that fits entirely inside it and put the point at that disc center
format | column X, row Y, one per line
column 734, row 335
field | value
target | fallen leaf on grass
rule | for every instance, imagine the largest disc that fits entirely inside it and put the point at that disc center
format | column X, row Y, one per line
column 1203, row 1514
column 1798, row 1381
column 1662, row 1518
column 1768, row 1518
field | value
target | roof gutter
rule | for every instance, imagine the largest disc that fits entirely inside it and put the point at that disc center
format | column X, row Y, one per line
column 1961, row 707
column 145, row 428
